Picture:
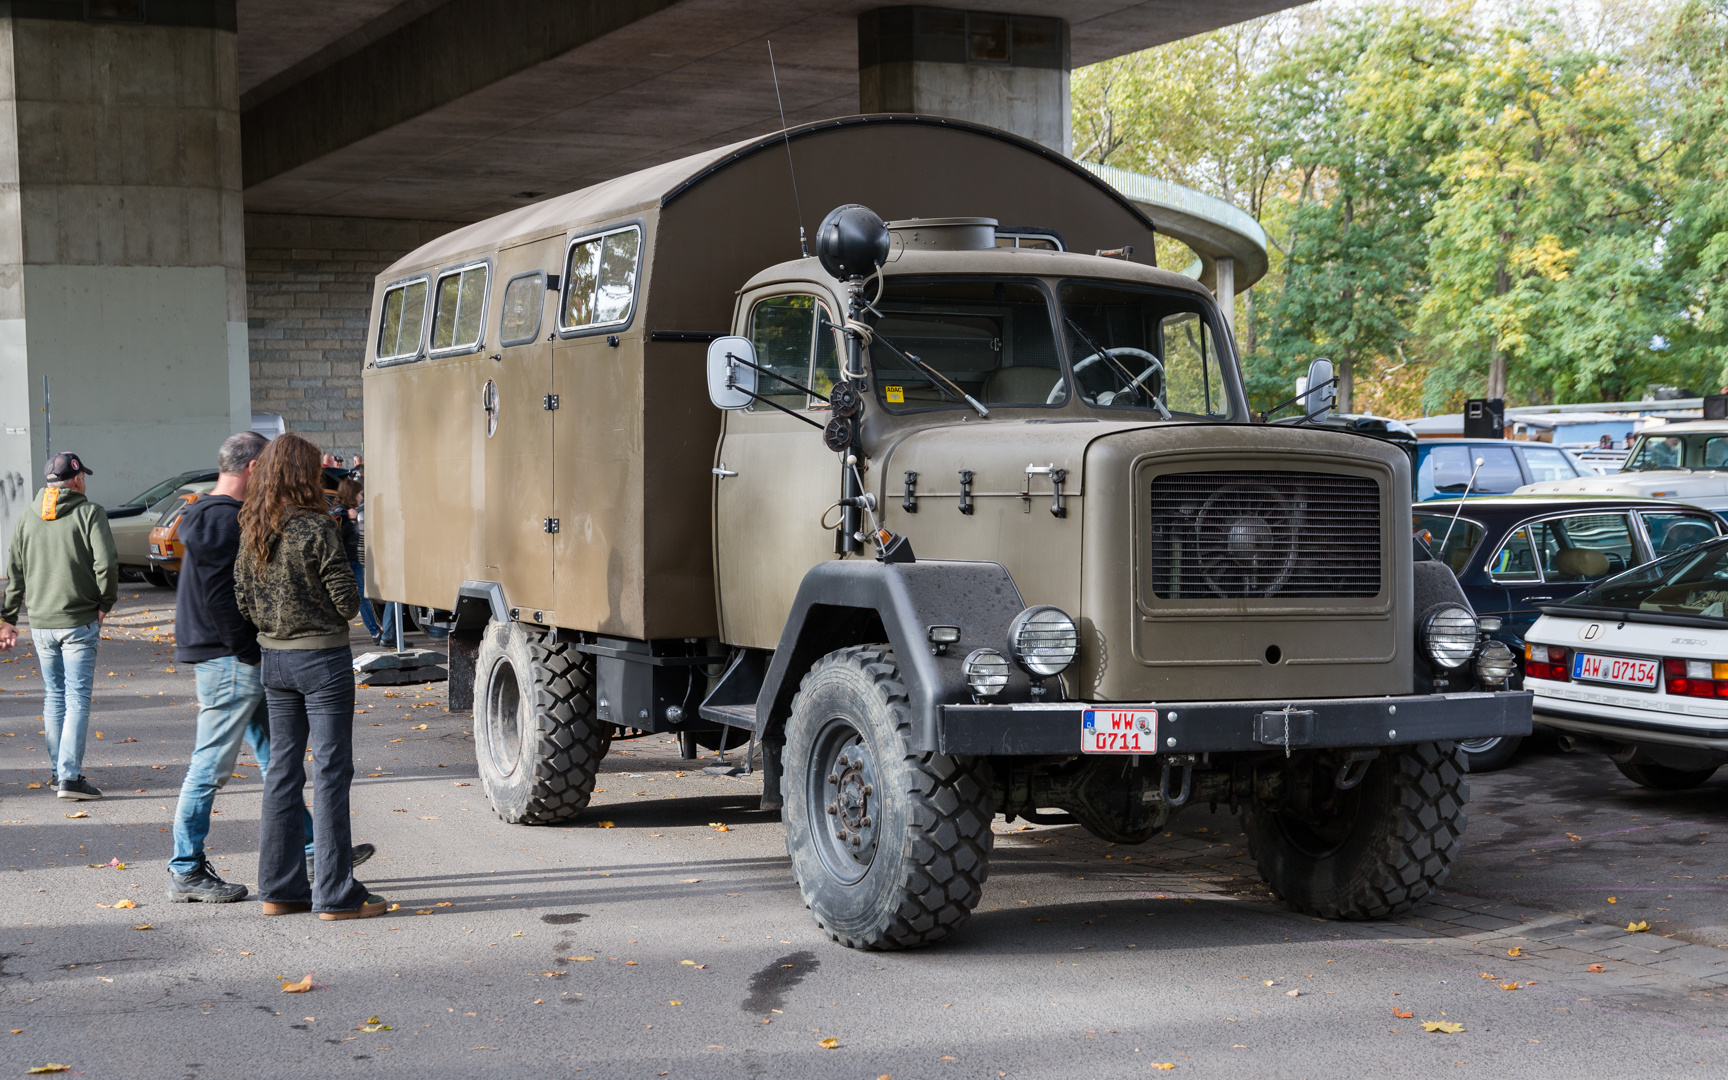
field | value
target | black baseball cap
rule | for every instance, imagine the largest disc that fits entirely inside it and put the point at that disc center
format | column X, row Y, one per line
column 65, row 466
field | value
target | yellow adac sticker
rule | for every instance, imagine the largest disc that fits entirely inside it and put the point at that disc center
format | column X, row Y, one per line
column 894, row 395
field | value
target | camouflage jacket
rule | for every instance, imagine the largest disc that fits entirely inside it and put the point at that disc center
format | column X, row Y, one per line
column 304, row 597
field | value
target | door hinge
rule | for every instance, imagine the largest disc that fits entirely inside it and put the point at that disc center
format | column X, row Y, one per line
column 549, row 402
column 550, row 525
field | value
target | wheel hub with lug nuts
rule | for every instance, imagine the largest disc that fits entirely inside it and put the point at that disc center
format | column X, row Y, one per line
column 852, row 807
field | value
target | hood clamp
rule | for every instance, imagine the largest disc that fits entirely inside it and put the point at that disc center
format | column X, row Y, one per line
column 965, row 506
column 1058, row 477
column 910, row 502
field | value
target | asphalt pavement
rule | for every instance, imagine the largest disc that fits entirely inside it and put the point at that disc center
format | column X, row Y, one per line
column 662, row 934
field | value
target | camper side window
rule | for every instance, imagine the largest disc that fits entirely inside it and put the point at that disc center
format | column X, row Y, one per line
column 790, row 342
column 458, row 319
column 524, row 298
column 600, row 280
column 400, row 319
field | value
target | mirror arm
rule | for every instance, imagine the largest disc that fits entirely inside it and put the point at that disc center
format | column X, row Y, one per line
column 776, row 405
column 1333, row 381
column 772, row 375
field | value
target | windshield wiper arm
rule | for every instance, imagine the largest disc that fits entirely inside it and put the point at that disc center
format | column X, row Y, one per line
column 1092, row 344
column 941, row 381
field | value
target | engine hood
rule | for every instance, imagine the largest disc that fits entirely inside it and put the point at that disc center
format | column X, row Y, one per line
column 1681, row 484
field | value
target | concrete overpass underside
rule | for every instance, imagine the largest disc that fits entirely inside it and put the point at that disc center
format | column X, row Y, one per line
column 195, row 195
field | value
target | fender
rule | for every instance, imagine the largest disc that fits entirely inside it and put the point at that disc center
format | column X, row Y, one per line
column 854, row 602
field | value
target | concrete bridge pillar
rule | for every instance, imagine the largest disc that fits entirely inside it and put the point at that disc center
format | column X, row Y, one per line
column 122, row 255
column 1008, row 71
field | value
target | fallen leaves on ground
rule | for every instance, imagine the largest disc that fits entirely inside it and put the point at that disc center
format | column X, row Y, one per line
column 1515, row 951
column 1511, row 986
column 51, row 1067
column 834, row 1044
column 606, row 825
column 1613, row 899
column 33, row 784
column 444, row 903
column 1164, row 1065
column 1595, row 967
column 372, row 1023
column 1268, row 982
column 419, row 727
column 147, row 926
column 691, row 880
column 126, row 903
column 1401, row 1015
column 1443, row 1027
column 1292, row 993
column 1637, row 927
column 301, row 987
column 79, row 814
column 463, row 783
column 579, row 959
column 1574, row 836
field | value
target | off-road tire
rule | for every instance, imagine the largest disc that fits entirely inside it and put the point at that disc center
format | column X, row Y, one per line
column 932, row 836
column 1662, row 777
column 1496, row 753
column 1409, row 815
column 542, row 769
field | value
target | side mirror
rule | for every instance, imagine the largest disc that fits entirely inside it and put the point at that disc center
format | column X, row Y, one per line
column 1322, row 393
column 727, row 378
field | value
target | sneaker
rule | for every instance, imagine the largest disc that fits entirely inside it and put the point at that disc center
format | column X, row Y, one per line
column 203, row 886
column 373, row 905
column 78, row 789
column 286, row 907
column 361, row 852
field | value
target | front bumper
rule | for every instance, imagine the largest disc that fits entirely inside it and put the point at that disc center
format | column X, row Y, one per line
column 1203, row 727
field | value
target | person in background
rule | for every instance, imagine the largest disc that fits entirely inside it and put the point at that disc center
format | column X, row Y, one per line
column 293, row 582
column 63, row 560
column 222, row 647
column 349, row 497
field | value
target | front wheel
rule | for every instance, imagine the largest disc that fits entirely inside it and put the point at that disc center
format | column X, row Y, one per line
column 890, row 845
column 1374, row 850
column 1662, row 777
column 537, row 738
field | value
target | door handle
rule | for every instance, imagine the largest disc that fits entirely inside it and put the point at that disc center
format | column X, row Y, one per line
column 722, row 471
column 1537, row 599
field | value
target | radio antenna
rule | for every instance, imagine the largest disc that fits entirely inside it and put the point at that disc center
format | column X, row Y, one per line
column 798, row 206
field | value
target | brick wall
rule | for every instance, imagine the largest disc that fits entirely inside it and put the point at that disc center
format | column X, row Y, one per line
column 308, row 290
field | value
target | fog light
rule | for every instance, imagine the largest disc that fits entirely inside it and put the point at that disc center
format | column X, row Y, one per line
column 943, row 635
column 1494, row 664
column 1043, row 640
column 986, row 672
column 1450, row 634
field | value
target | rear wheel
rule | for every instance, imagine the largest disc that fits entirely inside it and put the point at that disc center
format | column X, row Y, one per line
column 536, row 735
column 1371, row 851
column 890, row 845
column 1487, row 755
column 1662, row 777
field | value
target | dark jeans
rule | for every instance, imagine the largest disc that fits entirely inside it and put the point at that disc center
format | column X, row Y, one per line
column 310, row 693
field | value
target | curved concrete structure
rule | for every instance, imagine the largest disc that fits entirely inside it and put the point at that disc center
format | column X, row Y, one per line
column 1213, row 228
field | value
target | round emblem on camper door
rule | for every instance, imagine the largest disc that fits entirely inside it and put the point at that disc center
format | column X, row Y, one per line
column 1591, row 632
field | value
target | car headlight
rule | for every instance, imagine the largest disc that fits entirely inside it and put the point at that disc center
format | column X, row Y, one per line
column 1494, row 664
column 986, row 672
column 1449, row 633
column 1043, row 640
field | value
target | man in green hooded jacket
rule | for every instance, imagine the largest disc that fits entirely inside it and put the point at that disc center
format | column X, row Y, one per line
column 62, row 558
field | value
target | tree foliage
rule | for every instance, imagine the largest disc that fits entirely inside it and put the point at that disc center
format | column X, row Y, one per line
column 1461, row 202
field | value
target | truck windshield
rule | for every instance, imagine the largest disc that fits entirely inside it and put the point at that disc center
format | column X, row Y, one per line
column 1696, row 450
column 1136, row 347
column 993, row 339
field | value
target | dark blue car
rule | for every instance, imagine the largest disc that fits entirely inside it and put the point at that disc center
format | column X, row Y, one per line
column 1514, row 552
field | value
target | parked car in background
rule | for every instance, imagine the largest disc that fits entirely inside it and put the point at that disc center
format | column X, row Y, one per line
column 132, row 532
column 1686, row 462
column 1635, row 668
column 1444, row 467
column 156, row 493
column 1514, row 553
column 166, row 551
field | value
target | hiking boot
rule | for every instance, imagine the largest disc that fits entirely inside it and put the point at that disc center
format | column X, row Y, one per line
column 373, row 905
column 361, row 852
column 203, row 886
column 78, row 789
column 286, row 907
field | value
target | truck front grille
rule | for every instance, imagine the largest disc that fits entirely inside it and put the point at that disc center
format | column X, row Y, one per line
column 1263, row 534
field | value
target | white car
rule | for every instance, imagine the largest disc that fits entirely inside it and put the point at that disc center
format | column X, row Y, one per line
column 1686, row 462
column 1637, row 667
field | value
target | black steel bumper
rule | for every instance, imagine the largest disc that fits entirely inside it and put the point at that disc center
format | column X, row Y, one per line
column 1226, row 726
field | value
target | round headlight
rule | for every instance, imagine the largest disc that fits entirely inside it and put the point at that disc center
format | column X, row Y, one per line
column 1494, row 664
column 986, row 672
column 1449, row 633
column 1043, row 640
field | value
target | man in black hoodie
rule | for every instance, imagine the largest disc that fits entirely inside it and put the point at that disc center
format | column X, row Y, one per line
column 213, row 636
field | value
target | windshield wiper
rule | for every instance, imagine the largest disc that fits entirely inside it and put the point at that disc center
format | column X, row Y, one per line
column 939, row 380
column 1127, row 375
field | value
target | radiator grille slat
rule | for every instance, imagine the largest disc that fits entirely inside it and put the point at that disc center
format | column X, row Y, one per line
column 1261, row 534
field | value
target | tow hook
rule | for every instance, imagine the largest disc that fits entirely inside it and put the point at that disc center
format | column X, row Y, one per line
column 1355, row 767
column 1186, row 763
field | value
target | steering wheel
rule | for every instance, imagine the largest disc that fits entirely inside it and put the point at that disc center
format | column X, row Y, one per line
column 1153, row 364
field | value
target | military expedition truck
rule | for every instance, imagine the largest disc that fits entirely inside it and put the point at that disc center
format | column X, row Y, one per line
column 964, row 515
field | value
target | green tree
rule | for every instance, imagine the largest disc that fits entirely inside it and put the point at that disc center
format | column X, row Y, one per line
column 1697, row 245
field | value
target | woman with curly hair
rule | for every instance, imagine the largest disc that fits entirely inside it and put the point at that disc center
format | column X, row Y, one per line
column 293, row 582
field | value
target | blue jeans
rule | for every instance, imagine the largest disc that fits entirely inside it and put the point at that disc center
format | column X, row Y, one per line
column 230, row 709
column 311, row 698
column 366, row 616
column 68, row 662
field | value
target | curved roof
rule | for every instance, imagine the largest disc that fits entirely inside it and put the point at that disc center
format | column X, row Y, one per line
column 663, row 184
